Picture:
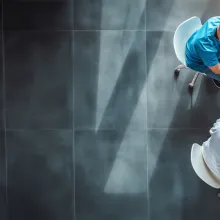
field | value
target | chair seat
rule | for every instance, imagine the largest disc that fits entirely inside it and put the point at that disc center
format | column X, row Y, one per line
column 183, row 32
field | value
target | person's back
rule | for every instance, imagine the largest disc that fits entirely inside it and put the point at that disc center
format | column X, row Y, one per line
column 203, row 47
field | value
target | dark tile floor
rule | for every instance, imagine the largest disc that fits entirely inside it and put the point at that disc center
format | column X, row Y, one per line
column 175, row 192
column 38, row 15
column 93, row 52
column 40, row 174
column 39, row 77
column 109, row 15
column 2, row 87
column 111, row 177
column 93, row 123
column 3, row 183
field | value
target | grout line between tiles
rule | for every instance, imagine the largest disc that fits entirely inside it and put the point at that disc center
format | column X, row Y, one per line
column 73, row 144
column 146, row 135
column 176, row 128
column 49, row 129
column 104, row 130
column 4, row 109
column 73, row 136
column 135, row 30
column 89, row 30
column 147, row 129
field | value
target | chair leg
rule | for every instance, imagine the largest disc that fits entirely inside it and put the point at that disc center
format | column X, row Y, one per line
column 177, row 70
column 218, row 193
column 191, row 85
column 181, row 66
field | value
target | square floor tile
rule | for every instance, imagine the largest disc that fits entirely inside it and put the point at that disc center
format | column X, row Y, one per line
column 38, row 14
column 109, row 15
column 40, row 175
column 110, row 79
column 164, row 94
column 111, row 175
column 174, row 187
column 169, row 102
column 211, row 10
column 39, row 90
column 3, row 181
column 167, row 15
column 1, row 87
column 0, row 15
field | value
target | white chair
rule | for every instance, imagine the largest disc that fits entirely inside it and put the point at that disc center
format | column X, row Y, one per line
column 183, row 32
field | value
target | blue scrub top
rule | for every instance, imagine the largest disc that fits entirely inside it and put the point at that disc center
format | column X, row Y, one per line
column 203, row 48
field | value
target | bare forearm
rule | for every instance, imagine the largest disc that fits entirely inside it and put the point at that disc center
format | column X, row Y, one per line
column 216, row 69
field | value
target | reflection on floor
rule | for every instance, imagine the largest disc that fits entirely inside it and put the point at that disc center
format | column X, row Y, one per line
column 94, row 124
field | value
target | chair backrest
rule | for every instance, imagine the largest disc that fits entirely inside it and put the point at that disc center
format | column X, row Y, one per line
column 183, row 32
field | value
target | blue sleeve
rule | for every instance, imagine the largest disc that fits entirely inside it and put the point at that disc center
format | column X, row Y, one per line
column 207, row 52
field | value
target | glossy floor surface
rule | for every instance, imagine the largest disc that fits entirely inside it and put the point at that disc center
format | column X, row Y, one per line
column 94, row 124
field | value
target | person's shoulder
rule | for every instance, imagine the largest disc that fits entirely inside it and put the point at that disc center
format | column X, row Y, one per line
column 205, row 44
column 210, row 25
column 204, row 41
column 214, row 19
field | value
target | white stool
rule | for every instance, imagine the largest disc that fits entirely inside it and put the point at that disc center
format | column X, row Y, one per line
column 183, row 32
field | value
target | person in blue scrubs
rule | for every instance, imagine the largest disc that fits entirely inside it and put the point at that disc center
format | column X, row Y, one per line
column 203, row 50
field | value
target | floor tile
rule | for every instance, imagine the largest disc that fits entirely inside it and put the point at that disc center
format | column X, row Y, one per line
column 167, row 15
column 169, row 103
column 3, row 180
column 40, row 175
column 1, row 87
column 174, row 188
column 38, row 14
column 0, row 15
column 109, row 79
column 109, row 15
column 111, row 174
column 211, row 9
column 39, row 90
